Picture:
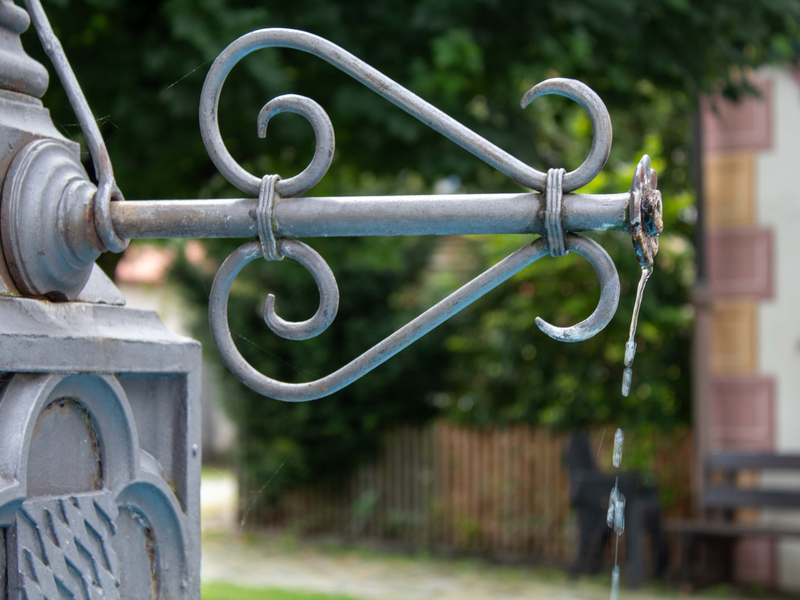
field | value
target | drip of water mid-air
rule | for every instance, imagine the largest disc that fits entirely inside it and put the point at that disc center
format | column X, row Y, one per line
column 630, row 346
column 619, row 514
column 615, row 583
column 619, row 437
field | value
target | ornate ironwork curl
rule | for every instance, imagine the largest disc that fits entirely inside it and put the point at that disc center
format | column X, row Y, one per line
column 400, row 96
column 323, row 130
column 326, row 284
column 277, row 216
column 430, row 319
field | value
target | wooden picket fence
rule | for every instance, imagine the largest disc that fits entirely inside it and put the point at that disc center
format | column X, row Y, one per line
column 497, row 491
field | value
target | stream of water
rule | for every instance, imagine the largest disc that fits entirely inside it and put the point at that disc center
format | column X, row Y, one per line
column 630, row 346
column 615, row 518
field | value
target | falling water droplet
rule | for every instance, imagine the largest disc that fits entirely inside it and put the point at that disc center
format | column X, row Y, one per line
column 615, row 583
column 627, row 376
column 630, row 346
column 615, row 518
column 619, row 437
column 619, row 514
column 612, row 503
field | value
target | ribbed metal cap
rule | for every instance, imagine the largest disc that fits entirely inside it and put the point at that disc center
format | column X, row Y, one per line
column 18, row 71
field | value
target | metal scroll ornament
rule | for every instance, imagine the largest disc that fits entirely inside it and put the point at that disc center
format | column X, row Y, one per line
column 277, row 216
column 553, row 242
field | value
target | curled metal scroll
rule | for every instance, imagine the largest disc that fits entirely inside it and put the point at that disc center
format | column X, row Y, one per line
column 430, row 319
column 323, row 155
column 326, row 284
column 323, row 132
column 400, row 96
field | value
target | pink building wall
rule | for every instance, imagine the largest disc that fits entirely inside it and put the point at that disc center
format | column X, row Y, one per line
column 747, row 351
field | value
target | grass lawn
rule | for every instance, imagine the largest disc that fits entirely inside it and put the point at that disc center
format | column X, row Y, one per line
column 224, row 591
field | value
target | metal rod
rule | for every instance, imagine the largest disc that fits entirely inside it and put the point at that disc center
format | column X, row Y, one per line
column 155, row 219
column 107, row 190
column 368, row 216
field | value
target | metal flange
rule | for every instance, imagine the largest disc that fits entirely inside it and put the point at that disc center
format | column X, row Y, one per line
column 646, row 212
column 46, row 221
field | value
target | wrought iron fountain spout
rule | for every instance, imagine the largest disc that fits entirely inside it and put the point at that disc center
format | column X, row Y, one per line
column 56, row 221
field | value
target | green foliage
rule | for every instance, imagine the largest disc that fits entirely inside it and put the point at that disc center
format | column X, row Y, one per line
column 142, row 65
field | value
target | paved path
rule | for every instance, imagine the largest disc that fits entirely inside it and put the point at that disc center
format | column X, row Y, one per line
column 253, row 562
column 273, row 562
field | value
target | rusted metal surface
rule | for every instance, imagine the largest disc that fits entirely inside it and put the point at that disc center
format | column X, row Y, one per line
column 646, row 212
column 80, row 456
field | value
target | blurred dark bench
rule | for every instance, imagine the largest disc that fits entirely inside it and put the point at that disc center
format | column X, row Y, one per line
column 706, row 543
column 589, row 492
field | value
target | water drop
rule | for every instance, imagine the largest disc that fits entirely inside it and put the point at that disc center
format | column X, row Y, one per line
column 612, row 499
column 615, row 583
column 619, row 437
column 619, row 514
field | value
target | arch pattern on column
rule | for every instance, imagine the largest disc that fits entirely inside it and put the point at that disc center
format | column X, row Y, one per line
column 67, row 543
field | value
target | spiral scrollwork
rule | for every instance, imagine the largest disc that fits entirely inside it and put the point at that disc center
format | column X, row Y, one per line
column 403, row 337
column 323, row 132
column 313, row 173
column 411, row 103
column 326, row 284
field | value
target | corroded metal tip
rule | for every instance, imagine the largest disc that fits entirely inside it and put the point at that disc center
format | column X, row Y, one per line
column 646, row 212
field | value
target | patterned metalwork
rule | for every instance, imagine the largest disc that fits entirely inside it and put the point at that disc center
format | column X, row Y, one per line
column 277, row 216
column 66, row 545
column 133, row 525
column 555, row 183
column 99, row 403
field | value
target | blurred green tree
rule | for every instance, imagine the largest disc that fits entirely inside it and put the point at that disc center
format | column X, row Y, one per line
column 142, row 65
